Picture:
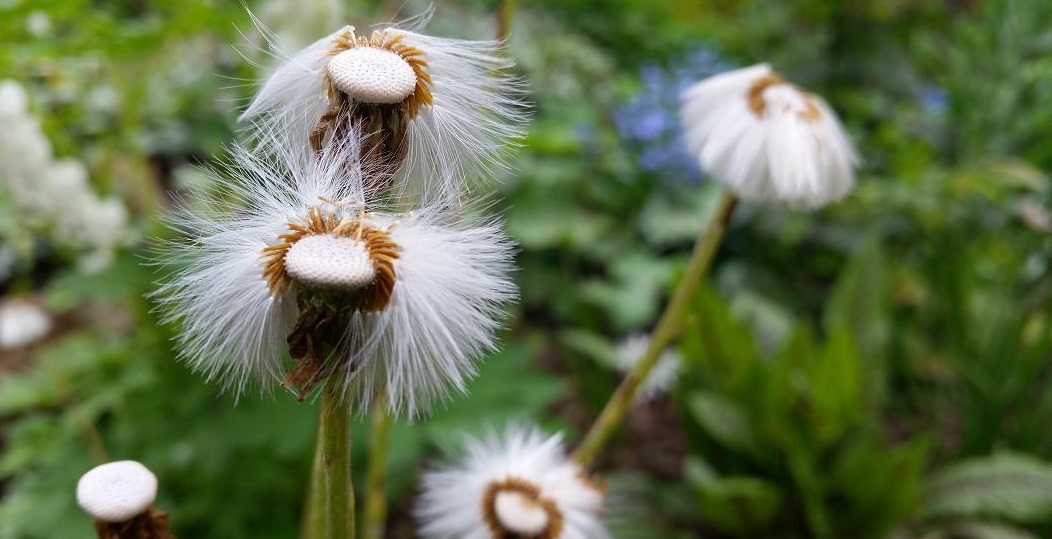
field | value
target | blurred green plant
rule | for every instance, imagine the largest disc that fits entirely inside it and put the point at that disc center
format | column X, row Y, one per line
column 789, row 445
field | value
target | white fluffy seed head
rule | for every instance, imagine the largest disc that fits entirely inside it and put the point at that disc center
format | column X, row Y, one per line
column 117, row 491
column 327, row 262
column 767, row 140
column 372, row 75
column 462, row 140
column 516, row 483
column 519, row 514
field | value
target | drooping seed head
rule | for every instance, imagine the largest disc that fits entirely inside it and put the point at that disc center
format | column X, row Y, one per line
column 117, row 491
column 767, row 140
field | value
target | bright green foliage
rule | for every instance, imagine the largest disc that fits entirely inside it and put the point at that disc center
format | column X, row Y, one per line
column 990, row 492
column 790, row 445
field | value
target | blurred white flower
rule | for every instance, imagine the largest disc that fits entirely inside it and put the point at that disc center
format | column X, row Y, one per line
column 22, row 323
column 288, row 251
column 117, row 491
column 432, row 113
column 38, row 24
column 767, row 140
column 516, row 484
column 661, row 378
column 53, row 197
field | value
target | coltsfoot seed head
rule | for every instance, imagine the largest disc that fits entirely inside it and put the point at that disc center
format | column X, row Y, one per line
column 117, row 491
column 372, row 75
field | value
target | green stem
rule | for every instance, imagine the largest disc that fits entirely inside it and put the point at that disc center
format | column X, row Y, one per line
column 313, row 525
column 505, row 17
column 667, row 328
column 337, row 500
column 376, row 497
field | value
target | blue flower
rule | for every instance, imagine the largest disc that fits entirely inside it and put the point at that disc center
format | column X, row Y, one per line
column 649, row 120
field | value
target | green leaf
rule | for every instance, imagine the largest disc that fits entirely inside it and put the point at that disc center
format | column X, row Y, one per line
column 738, row 505
column 859, row 303
column 980, row 530
column 589, row 344
column 1009, row 486
column 713, row 339
column 24, row 392
column 836, row 394
column 679, row 217
column 724, row 420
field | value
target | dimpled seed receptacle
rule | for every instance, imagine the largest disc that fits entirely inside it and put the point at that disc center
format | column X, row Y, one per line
column 372, row 75
column 117, row 491
column 519, row 514
column 327, row 262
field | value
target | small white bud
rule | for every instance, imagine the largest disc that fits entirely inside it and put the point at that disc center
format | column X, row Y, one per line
column 117, row 491
column 372, row 75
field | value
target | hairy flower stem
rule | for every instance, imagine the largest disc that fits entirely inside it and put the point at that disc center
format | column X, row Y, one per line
column 376, row 497
column 334, row 437
column 313, row 524
column 668, row 326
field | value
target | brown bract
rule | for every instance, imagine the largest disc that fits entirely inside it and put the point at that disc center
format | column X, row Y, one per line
column 383, row 251
column 531, row 492
column 320, row 327
column 152, row 524
column 758, row 105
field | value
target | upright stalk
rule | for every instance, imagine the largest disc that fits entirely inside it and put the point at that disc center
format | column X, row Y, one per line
column 376, row 497
column 334, row 437
column 667, row 328
column 313, row 524
column 505, row 17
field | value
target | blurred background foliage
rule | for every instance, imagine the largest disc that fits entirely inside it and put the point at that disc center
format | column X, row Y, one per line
column 877, row 369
